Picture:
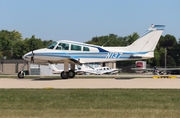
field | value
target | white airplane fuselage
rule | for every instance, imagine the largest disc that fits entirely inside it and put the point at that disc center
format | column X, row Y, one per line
column 58, row 56
column 71, row 52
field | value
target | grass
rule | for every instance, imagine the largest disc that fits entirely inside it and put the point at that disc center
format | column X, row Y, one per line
column 90, row 103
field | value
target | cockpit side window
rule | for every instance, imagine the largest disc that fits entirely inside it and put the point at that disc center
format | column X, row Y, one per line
column 62, row 46
column 85, row 49
column 76, row 47
column 52, row 45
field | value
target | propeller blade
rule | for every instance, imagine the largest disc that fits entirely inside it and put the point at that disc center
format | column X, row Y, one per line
column 32, row 57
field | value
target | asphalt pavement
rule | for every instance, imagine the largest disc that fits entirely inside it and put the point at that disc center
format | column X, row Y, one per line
column 148, row 83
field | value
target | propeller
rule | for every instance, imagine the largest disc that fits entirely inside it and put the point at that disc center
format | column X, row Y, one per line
column 32, row 48
column 32, row 57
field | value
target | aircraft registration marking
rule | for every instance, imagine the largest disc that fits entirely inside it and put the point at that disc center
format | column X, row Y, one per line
column 113, row 55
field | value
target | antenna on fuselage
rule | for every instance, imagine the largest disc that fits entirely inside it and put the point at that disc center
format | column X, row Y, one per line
column 105, row 43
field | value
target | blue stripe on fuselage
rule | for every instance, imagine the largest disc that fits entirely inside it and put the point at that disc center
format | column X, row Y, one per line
column 76, row 55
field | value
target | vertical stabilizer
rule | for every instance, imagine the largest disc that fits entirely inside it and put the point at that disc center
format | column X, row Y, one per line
column 148, row 41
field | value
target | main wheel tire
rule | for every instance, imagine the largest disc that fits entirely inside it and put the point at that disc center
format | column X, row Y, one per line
column 71, row 74
column 20, row 74
column 64, row 75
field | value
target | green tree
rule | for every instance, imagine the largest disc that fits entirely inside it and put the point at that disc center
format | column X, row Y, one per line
column 33, row 43
column 132, row 38
column 167, row 41
column 46, row 43
column 20, row 49
column 7, row 41
column 108, row 40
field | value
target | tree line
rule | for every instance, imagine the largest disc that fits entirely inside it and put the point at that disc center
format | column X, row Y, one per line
column 13, row 46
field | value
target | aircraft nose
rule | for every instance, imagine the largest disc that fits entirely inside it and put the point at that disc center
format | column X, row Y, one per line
column 26, row 56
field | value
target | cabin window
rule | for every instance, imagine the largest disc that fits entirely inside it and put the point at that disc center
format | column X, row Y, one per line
column 62, row 46
column 76, row 47
column 85, row 49
column 52, row 45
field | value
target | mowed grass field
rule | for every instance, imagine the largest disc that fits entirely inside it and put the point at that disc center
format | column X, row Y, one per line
column 89, row 103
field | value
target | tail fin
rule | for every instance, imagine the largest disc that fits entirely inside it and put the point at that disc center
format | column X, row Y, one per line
column 148, row 41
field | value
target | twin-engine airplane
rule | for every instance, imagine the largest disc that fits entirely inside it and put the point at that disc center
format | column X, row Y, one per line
column 70, row 52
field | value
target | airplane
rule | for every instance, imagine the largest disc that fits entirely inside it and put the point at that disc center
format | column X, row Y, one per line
column 86, row 69
column 71, row 52
column 97, row 71
column 107, row 70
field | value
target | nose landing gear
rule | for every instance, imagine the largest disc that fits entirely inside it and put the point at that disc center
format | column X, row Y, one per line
column 21, row 73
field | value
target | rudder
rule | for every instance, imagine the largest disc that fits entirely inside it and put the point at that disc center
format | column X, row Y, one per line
column 148, row 41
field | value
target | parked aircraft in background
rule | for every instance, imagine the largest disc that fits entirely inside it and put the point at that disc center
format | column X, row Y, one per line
column 85, row 69
column 54, row 69
column 70, row 52
column 97, row 71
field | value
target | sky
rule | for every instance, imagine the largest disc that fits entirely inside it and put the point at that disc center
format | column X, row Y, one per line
column 81, row 20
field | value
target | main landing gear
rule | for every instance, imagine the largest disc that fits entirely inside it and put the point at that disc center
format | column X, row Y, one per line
column 69, row 74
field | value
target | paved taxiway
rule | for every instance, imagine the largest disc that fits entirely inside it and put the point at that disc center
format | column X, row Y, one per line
column 91, row 83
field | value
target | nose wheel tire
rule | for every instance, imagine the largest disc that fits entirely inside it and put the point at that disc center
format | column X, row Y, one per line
column 71, row 74
column 21, row 74
column 64, row 75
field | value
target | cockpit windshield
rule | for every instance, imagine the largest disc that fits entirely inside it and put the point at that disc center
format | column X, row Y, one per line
column 68, row 47
column 62, row 46
column 52, row 45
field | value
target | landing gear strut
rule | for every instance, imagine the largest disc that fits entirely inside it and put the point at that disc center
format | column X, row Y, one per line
column 21, row 73
column 68, row 73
